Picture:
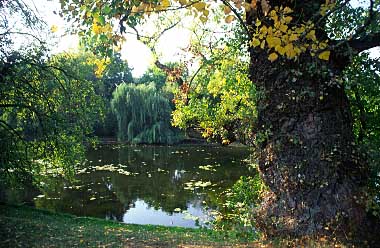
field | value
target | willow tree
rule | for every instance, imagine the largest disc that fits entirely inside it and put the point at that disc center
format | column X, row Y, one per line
column 298, row 50
column 143, row 115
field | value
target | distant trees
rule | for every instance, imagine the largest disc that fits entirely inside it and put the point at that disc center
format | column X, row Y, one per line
column 115, row 73
column 143, row 115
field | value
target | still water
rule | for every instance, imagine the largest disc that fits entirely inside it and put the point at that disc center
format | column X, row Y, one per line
column 171, row 186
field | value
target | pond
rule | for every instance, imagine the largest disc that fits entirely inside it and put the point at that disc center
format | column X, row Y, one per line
column 171, row 186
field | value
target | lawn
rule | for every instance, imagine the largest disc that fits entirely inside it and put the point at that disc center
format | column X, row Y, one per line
column 22, row 226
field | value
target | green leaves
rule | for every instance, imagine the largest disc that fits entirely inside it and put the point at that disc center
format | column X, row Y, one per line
column 143, row 115
column 106, row 9
column 222, row 103
column 53, row 110
column 362, row 87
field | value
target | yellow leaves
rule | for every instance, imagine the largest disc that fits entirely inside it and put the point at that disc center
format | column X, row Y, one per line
column 183, row 2
column 300, row 30
column 272, row 57
column 325, row 55
column 257, row 23
column 283, row 28
column 135, row 9
column 280, row 49
column 273, row 15
column 287, row 10
column 262, row 46
column 199, row 6
column 284, row 38
column 293, row 37
column 54, row 28
column 117, row 48
column 99, row 29
column 288, row 19
column 227, row 10
column 255, row 42
column 311, row 35
column 323, row 45
column 203, row 18
column 263, row 30
column 290, row 51
column 229, row 19
column 96, row 28
column 100, row 66
column 273, row 41
column 165, row 3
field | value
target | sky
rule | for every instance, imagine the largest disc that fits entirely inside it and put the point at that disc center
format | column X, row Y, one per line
column 137, row 54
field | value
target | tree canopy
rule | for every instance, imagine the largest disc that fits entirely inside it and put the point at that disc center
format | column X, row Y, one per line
column 47, row 107
column 305, row 143
column 301, row 94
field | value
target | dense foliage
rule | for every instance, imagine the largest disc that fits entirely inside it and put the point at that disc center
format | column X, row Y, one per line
column 116, row 72
column 222, row 104
column 362, row 80
column 47, row 107
column 47, row 112
column 143, row 115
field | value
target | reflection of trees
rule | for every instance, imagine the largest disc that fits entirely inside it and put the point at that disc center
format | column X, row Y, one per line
column 78, row 201
column 165, row 190
column 169, row 168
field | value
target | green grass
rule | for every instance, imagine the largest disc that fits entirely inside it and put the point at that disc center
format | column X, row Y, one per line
column 22, row 226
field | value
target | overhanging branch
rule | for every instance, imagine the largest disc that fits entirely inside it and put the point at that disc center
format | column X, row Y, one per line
column 365, row 43
column 238, row 16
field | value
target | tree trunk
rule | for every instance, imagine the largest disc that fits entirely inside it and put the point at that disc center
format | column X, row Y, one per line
column 307, row 155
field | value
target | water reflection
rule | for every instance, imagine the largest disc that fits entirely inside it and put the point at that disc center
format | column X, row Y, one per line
column 148, row 185
column 142, row 213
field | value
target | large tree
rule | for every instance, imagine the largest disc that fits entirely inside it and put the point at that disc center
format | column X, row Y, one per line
column 307, row 154
column 298, row 51
column 47, row 107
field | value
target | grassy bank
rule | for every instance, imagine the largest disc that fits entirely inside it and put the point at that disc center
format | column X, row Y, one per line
column 28, row 227
column 22, row 226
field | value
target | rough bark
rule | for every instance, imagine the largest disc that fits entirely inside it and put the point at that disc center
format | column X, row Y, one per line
column 307, row 155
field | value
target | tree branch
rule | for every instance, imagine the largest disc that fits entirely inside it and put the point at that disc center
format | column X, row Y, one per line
column 242, row 22
column 329, row 13
column 368, row 21
column 23, row 33
column 369, row 41
column 12, row 130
